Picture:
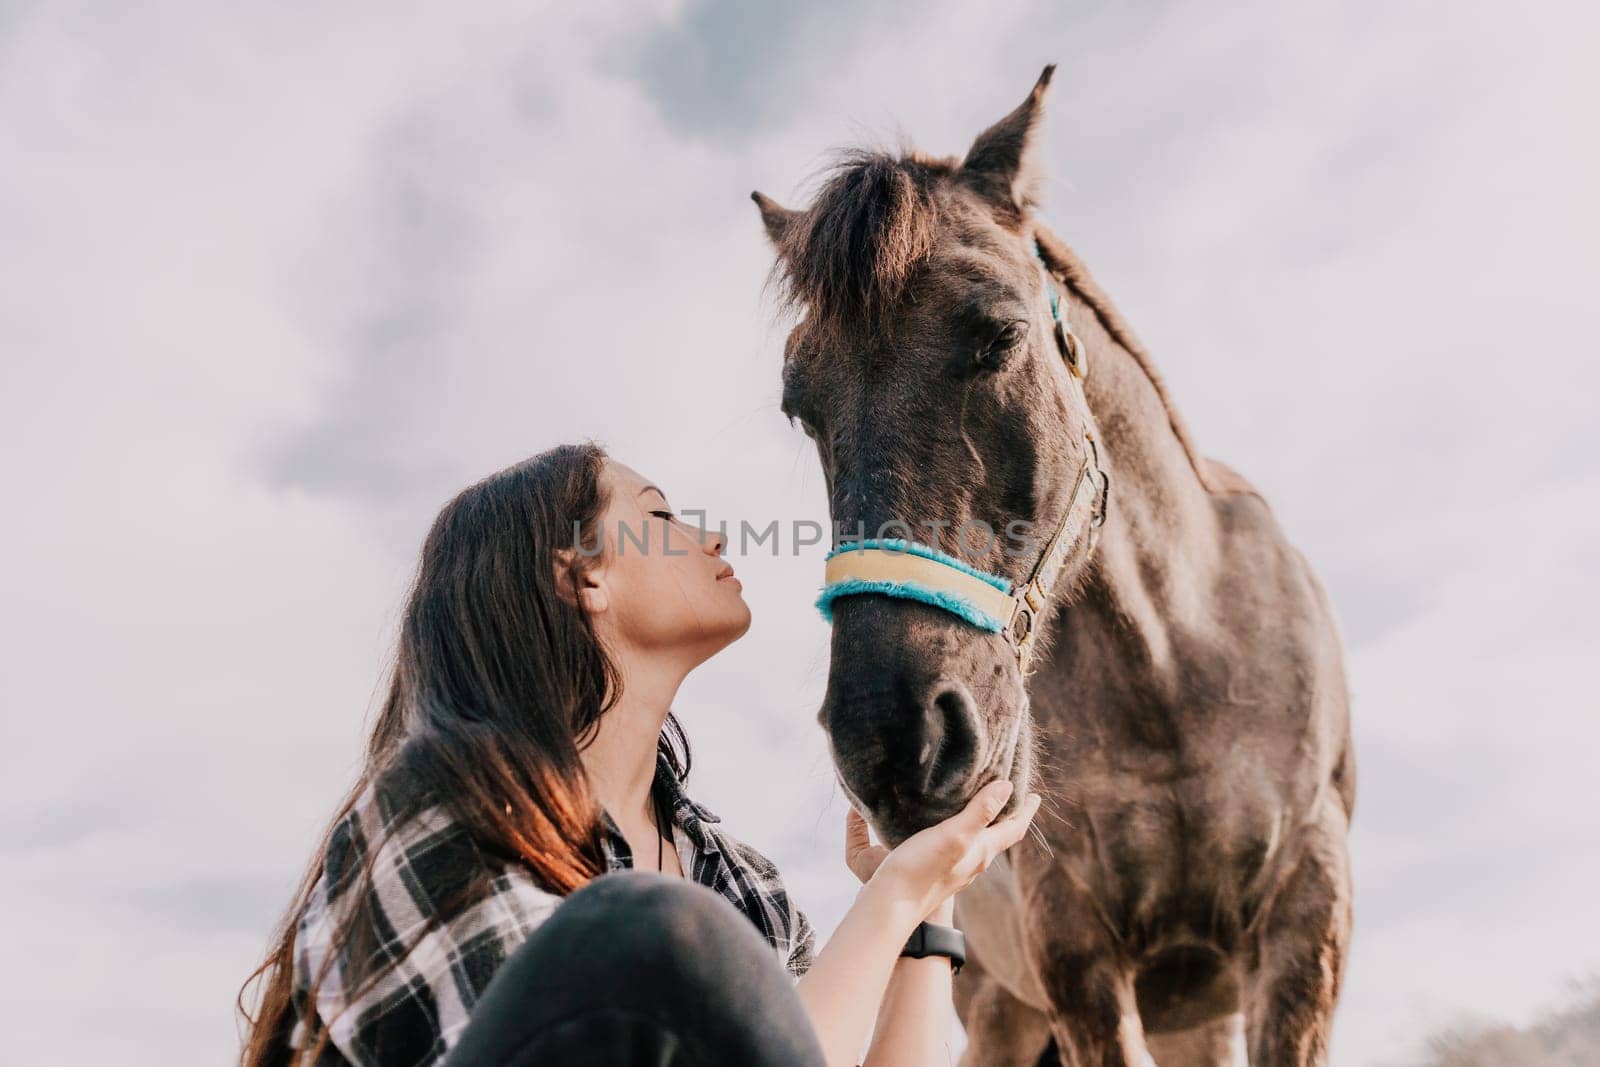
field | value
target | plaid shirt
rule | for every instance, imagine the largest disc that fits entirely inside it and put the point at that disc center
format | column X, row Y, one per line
column 416, row 1012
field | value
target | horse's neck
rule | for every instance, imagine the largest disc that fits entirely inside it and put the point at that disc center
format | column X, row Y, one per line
column 1157, row 551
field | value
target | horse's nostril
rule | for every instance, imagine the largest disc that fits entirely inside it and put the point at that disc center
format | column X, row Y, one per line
column 949, row 738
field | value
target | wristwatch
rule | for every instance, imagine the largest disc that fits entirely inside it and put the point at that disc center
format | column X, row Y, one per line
column 929, row 939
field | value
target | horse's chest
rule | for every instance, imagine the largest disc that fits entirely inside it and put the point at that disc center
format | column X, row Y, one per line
column 1185, row 859
column 1136, row 872
column 1170, row 807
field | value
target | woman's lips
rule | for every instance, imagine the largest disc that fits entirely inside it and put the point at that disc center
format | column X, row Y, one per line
column 726, row 575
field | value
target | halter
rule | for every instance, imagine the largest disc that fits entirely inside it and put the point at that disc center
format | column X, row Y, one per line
column 913, row 571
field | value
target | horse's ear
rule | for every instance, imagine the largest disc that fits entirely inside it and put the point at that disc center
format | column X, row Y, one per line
column 775, row 216
column 1001, row 164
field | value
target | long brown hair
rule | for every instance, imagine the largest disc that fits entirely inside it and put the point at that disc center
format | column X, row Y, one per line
column 499, row 680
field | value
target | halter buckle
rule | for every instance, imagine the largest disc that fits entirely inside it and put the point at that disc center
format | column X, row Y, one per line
column 1021, row 625
column 1102, row 505
column 1072, row 350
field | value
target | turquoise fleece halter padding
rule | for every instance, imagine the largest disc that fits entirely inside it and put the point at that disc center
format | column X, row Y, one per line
column 952, row 602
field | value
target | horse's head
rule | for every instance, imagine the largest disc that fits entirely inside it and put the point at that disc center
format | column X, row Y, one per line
column 926, row 370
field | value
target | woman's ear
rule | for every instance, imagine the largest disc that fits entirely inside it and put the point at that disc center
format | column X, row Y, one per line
column 581, row 581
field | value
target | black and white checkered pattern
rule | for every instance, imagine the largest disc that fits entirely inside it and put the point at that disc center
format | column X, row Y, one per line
column 415, row 1013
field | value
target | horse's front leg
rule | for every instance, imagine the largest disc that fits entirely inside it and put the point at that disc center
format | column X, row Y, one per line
column 1094, row 1017
column 1302, row 947
column 1002, row 1031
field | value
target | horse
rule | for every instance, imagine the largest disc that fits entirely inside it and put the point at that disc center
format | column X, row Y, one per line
column 1167, row 670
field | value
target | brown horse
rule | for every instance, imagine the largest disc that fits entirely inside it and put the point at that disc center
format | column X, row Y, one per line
column 1186, row 717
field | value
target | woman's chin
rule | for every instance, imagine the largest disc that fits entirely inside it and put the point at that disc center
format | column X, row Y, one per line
column 742, row 619
column 729, row 624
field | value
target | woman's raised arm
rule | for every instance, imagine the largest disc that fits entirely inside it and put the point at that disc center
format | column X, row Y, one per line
column 847, row 981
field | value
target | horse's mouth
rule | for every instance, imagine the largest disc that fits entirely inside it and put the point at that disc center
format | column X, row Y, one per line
column 1015, row 746
column 1017, row 767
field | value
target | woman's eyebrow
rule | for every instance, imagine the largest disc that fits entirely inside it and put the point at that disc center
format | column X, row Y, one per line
column 652, row 489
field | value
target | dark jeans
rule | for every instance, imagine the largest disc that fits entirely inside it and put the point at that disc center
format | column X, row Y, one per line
column 638, row 968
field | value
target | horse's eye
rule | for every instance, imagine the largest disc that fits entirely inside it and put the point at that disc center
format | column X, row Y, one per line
column 1005, row 342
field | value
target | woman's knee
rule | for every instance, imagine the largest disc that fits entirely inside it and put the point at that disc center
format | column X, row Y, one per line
column 639, row 945
column 646, row 947
column 660, row 913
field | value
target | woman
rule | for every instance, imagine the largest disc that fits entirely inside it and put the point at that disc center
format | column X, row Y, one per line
column 518, row 874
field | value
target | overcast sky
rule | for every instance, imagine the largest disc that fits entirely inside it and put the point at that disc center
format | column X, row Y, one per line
column 276, row 280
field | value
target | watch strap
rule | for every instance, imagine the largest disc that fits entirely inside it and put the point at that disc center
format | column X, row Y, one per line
column 931, row 939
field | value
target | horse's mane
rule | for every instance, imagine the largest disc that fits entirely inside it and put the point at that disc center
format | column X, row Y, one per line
column 846, row 261
column 1063, row 262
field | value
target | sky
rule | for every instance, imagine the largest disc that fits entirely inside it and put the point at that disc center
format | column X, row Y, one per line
column 277, row 279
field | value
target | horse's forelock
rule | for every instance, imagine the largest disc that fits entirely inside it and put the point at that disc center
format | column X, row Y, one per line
column 873, row 223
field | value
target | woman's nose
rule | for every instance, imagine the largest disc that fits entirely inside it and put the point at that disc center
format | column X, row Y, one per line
column 713, row 541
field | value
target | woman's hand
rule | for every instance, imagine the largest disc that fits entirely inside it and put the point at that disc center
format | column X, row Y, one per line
column 860, row 854
column 845, row 986
column 934, row 864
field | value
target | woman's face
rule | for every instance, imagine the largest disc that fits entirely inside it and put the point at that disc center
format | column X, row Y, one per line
column 662, row 583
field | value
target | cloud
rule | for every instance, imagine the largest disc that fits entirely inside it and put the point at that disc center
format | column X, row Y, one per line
column 276, row 284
